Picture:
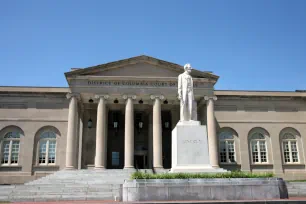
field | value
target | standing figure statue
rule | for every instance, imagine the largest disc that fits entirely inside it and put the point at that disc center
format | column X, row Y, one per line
column 188, row 110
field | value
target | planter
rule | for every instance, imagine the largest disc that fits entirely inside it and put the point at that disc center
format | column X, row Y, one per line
column 204, row 189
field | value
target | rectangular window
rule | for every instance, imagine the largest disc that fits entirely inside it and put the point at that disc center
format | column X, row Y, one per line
column 263, row 151
column 15, row 152
column 231, row 151
column 286, row 151
column 222, row 152
column 5, row 152
column 294, row 151
column 115, row 158
column 255, row 152
column 51, row 153
column 42, row 152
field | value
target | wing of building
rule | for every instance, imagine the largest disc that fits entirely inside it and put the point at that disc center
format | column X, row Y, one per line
column 109, row 117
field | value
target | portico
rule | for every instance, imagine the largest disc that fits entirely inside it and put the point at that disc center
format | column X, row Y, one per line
column 133, row 107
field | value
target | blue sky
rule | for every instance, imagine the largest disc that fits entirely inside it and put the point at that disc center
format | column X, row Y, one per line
column 251, row 45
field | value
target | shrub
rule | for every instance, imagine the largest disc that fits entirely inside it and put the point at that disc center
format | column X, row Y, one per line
column 233, row 174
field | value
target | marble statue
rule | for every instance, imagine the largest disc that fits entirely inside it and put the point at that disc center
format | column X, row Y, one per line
column 185, row 95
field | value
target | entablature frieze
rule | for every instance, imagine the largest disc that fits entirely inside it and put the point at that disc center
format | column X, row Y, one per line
column 135, row 82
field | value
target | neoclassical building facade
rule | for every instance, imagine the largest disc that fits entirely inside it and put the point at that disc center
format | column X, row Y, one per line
column 120, row 115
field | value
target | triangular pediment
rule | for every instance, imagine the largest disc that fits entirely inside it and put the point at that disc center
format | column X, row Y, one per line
column 141, row 66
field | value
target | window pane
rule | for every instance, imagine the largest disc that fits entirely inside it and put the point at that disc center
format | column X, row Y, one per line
column 286, row 151
column 12, row 135
column 294, row 151
column 47, row 135
column 222, row 151
column 231, row 151
column 115, row 158
column 42, row 152
column 255, row 151
column 263, row 152
column 226, row 135
column 5, row 152
column 52, row 150
column 15, row 152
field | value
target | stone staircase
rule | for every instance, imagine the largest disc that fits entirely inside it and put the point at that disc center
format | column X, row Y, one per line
column 70, row 185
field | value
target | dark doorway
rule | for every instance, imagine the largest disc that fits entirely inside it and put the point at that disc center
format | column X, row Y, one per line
column 166, row 134
column 115, row 140
column 141, row 120
column 139, row 162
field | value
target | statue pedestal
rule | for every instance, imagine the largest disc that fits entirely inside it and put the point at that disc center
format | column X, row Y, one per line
column 190, row 148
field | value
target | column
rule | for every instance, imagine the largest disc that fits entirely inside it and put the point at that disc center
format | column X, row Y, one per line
column 211, row 130
column 72, row 130
column 129, row 132
column 100, row 157
column 81, row 123
column 150, row 141
column 157, row 132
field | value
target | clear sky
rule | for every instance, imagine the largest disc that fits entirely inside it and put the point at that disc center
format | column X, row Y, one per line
column 251, row 45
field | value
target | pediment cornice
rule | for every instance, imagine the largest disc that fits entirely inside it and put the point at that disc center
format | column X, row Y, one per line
column 139, row 59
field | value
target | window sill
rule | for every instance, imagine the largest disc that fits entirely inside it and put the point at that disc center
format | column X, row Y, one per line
column 46, row 166
column 262, row 164
column 293, row 164
column 230, row 164
column 10, row 166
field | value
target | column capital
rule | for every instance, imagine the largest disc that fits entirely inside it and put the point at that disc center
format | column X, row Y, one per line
column 71, row 95
column 206, row 98
column 105, row 96
column 129, row 96
column 161, row 97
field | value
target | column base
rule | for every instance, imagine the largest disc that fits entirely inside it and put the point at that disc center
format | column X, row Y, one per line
column 99, row 168
column 70, row 168
column 129, row 167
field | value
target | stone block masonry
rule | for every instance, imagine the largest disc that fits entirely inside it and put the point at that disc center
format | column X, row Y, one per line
column 204, row 189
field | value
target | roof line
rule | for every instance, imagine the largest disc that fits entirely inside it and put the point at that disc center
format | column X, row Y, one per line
column 34, row 87
column 257, row 91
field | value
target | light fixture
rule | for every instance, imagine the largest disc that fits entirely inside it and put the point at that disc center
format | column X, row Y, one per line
column 89, row 123
column 116, row 101
column 140, row 125
column 90, row 100
column 140, row 101
column 167, row 124
column 165, row 101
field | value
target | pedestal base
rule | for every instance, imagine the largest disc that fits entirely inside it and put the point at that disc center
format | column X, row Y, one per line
column 190, row 148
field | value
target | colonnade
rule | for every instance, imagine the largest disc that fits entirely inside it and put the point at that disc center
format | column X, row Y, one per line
column 101, row 137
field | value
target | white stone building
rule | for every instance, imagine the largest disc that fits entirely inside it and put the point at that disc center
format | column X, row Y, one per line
column 109, row 117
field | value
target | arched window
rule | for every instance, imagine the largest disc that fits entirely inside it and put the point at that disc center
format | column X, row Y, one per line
column 227, row 147
column 47, row 148
column 258, row 148
column 290, row 148
column 10, row 148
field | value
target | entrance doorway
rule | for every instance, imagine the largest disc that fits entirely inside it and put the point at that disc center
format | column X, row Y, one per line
column 115, row 140
column 166, row 134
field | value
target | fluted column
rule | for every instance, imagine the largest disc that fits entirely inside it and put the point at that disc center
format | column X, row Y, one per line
column 212, row 132
column 157, row 132
column 129, row 132
column 101, row 151
column 72, row 130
